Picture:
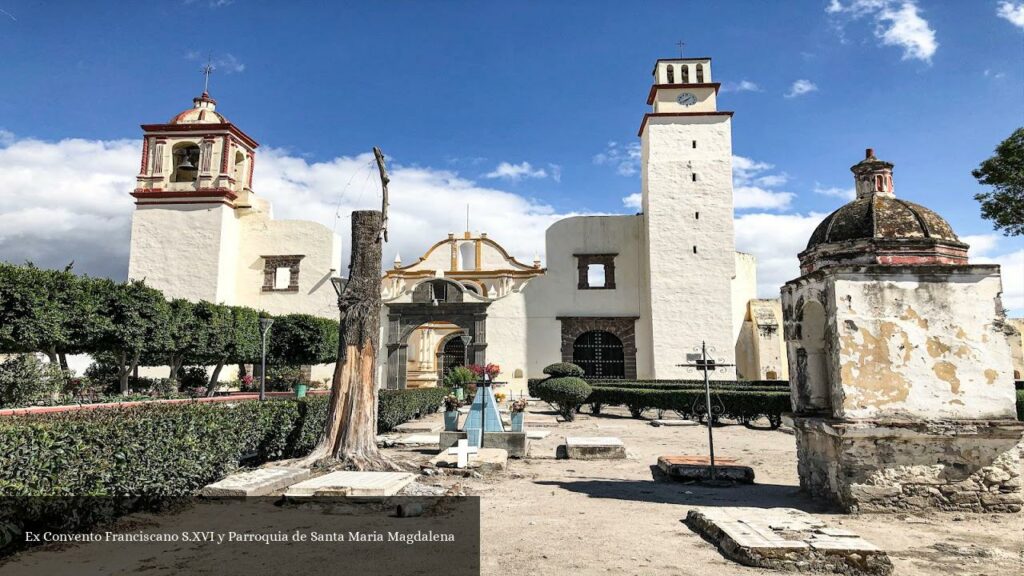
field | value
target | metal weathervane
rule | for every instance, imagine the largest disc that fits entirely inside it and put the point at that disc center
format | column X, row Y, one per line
column 705, row 364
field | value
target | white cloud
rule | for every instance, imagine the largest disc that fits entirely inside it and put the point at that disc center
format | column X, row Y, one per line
column 226, row 63
column 516, row 172
column 625, row 159
column 775, row 239
column 751, row 182
column 844, row 193
column 1012, row 12
column 70, row 201
column 801, row 87
column 897, row 23
column 741, row 86
column 981, row 244
column 634, row 201
column 989, row 73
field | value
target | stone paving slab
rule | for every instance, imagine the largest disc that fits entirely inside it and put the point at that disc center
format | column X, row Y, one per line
column 698, row 468
column 420, row 427
column 787, row 539
column 483, row 460
column 540, row 421
column 351, row 484
column 594, row 448
column 259, row 482
column 419, row 440
column 674, row 423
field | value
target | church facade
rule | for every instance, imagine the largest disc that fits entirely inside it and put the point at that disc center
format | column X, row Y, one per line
column 630, row 296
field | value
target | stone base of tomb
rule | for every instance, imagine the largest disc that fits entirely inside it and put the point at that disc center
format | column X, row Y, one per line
column 887, row 465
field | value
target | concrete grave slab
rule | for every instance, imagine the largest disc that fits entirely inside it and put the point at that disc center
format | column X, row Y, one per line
column 420, row 427
column 259, row 482
column 698, row 468
column 674, row 423
column 516, row 443
column 537, row 434
column 484, row 460
column 787, row 539
column 540, row 421
column 352, row 484
column 419, row 440
column 594, row 448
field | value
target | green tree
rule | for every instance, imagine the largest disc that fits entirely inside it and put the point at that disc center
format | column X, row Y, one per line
column 138, row 321
column 1004, row 172
column 185, row 335
column 301, row 339
column 30, row 320
column 232, row 336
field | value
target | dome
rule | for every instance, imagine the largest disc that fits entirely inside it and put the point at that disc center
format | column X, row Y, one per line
column 203, row 111
column 881, row 217
column 878, row 228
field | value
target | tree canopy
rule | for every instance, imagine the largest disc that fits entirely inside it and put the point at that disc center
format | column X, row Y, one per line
column 1004, row 172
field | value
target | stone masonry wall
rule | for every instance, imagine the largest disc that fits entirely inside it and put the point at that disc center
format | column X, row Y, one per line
column 946, row 465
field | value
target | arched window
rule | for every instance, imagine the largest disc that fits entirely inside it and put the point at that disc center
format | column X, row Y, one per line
column 814, row 389
column 700, row 73
column 239, row 167
column 452, row 355
column 471, row 287
column 600, row 354
column 185, row 159
column 684, row 73
column 467, row 255
column 671, row 74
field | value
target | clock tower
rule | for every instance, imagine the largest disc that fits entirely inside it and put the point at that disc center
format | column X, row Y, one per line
column 690, row 259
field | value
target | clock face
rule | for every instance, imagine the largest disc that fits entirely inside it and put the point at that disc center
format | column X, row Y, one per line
column 686, row 99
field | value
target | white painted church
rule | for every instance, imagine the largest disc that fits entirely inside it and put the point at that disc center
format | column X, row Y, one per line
column 626, row 296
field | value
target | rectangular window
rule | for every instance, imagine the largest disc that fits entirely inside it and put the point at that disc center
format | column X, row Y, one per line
column 694, row 176
column 595, row 271
column 281, row 273
column 694, row 143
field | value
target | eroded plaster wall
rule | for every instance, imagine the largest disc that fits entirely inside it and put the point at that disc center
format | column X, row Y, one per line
column 923, row 342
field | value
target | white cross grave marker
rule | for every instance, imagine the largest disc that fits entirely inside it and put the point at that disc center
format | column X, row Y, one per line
column 462, row 449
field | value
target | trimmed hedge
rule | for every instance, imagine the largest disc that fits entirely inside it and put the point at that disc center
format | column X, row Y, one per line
column 69, row 470
column 563, row 369
column 566, row 393
column 741, row 405
column 686, row 384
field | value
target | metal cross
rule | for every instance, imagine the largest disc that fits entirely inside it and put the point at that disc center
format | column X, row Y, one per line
column 207, row 70
column 705, row 365
column 680, row 44
column 462, row 450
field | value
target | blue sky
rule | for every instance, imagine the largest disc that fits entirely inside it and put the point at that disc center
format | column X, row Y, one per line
column 455, row 89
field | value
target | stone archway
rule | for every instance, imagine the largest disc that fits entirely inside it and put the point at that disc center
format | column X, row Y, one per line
column 435, row 300
column 622, row 327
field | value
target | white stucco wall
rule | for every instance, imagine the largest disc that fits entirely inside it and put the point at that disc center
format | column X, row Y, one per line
column 261, row 236
column 744, row 289
column 556, row 293
column 176, row 248
column 690, row 293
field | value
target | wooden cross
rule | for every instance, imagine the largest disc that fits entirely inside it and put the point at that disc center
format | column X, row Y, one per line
column 462, row 450
column 680, row 44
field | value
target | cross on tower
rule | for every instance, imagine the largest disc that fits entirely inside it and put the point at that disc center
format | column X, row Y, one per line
column 207, row 70
column 680, row 44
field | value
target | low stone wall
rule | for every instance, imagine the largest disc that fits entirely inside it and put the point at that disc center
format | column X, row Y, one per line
column 888, row 465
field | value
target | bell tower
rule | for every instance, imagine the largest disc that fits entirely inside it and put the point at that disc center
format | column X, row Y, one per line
column 194, row 184
column 686, row 185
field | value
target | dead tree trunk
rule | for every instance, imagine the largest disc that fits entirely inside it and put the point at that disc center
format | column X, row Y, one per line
column 351, row 434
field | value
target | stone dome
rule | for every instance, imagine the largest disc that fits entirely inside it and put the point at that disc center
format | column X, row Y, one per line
column 881, row 217
column 203, row 111
column 878, row 228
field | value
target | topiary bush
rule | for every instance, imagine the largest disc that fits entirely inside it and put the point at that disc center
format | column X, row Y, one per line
column 741, row 405
column 25, row 379
column 563, row 369
column 566, row 394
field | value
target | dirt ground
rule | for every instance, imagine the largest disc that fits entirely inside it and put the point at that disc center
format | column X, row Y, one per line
column 546, row 516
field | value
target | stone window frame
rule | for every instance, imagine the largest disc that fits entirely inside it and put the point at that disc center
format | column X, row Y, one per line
column 583, row 263
column 270, row 267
